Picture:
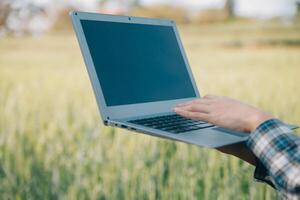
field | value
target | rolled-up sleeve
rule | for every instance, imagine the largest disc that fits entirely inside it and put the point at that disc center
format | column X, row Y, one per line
column 278, row 151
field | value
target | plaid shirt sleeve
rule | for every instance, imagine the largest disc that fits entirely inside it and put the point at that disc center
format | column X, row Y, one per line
column 278, row 151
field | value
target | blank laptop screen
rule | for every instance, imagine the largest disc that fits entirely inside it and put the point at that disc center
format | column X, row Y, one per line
column 137, row 63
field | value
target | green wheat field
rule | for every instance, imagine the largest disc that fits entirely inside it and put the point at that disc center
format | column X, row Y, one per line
column 53, row 145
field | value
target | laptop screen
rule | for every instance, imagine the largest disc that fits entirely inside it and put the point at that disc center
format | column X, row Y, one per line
column 137, row 63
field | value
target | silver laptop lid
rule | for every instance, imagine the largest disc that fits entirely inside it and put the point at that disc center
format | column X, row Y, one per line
column 137, row 66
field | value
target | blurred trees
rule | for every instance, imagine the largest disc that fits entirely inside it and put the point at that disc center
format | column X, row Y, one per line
column 136, row 3
column 20, row 17
column 178, row 14
column 298, row 7
column 102, row 2
column 229, row 7
column 4, row 11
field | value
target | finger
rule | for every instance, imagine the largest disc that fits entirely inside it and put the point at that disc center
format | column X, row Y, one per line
column 197, row 108
column 192, row 115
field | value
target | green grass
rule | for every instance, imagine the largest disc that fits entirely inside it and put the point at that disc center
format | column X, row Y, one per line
column 53, row 146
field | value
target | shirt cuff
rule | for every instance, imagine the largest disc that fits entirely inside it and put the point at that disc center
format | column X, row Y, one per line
column 261, row 174
column 260, row 140
column 257, row 145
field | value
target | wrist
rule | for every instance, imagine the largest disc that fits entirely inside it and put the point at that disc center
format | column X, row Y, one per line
column 258, row 118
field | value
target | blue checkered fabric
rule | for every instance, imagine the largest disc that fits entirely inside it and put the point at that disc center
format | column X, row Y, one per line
column 278, row 151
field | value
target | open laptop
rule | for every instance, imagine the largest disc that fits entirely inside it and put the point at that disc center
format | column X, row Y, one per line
column 139, row 72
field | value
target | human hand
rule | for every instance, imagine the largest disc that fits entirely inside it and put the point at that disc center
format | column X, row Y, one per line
column 224, row 112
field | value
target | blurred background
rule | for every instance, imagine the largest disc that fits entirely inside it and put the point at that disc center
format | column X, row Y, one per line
column 52, row 144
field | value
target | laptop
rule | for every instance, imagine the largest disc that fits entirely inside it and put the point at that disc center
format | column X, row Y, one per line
column 139, row 72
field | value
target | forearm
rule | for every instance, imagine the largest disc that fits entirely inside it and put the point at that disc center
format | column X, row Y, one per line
column 241, row 151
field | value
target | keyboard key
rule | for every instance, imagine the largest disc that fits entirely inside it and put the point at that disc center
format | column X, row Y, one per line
column 172, row 123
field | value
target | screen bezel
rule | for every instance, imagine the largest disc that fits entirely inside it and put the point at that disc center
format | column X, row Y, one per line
column 132, row 110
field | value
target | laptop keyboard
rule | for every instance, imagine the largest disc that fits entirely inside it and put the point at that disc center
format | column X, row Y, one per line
column 172, row 123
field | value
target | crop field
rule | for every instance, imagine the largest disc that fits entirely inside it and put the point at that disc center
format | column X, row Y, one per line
column 53, row 146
